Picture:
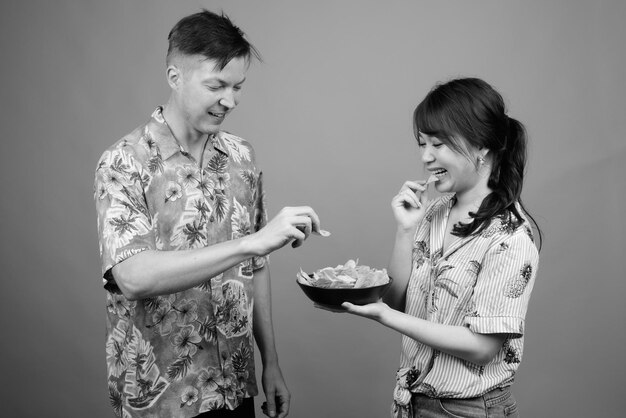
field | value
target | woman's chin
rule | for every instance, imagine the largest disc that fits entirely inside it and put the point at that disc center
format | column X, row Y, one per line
column 442, row 187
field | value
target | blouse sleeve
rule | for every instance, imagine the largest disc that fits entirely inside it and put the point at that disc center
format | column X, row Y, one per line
column 503, row 286
column 124, row 222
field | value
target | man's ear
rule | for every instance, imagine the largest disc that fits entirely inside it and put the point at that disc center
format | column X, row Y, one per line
column 174, row 76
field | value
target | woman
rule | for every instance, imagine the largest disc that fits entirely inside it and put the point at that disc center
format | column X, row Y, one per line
column 464, row 264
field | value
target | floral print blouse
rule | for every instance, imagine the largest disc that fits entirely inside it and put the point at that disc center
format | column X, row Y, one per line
column 482, row 282
column 185, row 353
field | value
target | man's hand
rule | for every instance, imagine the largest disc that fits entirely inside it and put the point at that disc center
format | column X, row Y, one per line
column 277, row 395
column 291, row 224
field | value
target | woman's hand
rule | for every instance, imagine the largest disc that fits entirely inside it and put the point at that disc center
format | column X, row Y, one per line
column 373, row 311
column 409, row 205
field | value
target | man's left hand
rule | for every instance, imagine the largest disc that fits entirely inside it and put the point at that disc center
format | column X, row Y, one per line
column 276, row 393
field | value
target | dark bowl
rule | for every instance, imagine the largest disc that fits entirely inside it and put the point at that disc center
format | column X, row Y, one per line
column 335, row 297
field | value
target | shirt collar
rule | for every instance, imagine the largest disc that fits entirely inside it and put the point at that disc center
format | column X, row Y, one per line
column 165, row 140
column 439, row 217
column 218, row 142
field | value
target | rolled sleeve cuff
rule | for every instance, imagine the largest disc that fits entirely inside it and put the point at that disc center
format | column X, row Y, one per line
column 108, row 281
column 260, row 262
column 511, row 325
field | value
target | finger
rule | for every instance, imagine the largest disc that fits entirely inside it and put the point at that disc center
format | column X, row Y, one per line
column 303, row 223
column 322, row 233
column 309, row 212
column 271, row 405
column 353, row 309
column 283, row 407
column 329, row 308
column 408, row 199
column 423, row 198
column 349, row 307
column 297, row 233
column 415, row 186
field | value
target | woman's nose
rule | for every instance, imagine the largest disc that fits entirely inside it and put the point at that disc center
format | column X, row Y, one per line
column 427, row 156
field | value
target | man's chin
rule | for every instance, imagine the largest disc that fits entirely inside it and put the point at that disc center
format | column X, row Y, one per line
column 210, row 129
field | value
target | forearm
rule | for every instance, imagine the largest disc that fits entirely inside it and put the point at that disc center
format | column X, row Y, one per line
column 457, row 341
column 262, row 317
column 400, row 269
column 152, row 273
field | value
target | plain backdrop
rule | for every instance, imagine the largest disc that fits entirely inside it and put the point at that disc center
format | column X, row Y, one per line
column 329, row 113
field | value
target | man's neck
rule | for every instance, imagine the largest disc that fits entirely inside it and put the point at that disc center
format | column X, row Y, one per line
column 190, row 139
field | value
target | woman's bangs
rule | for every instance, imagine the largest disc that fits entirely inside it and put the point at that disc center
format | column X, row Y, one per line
column 431, row 120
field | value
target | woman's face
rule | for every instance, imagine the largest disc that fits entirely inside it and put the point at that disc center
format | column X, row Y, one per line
column 456, row 172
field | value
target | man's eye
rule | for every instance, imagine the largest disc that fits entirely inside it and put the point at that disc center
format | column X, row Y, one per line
column 214, row 88
column 237, row 88
column 439, row 145
column 421, row 144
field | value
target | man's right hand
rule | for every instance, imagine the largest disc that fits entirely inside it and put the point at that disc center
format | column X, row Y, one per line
column 291, row 224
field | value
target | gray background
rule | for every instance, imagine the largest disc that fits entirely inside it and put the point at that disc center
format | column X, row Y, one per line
column 329, row 112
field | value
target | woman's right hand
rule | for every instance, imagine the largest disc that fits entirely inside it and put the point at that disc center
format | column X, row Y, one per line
column 409, row 205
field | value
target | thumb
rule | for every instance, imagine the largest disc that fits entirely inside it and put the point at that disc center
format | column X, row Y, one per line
column 271, row 405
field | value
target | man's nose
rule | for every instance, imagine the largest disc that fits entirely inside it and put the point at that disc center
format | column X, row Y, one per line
column 228, row 99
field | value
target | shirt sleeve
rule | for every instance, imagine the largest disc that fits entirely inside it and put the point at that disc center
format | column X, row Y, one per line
column 503, row 286
column 124, row 222
column 260, row 219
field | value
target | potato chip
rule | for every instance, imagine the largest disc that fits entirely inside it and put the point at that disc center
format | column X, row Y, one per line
column 348, row 275
column 433, row 178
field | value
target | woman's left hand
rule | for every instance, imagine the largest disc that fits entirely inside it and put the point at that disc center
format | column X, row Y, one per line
column 371, row 310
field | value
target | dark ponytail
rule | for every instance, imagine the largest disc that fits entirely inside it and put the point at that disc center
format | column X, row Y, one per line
column 472, row 109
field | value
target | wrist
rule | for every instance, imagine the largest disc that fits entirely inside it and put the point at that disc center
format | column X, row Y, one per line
column 386, row 315
column 269, row 359
column 250, row 246
column 405, row 232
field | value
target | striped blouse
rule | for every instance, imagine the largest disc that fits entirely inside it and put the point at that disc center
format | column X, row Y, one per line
column 482, row 282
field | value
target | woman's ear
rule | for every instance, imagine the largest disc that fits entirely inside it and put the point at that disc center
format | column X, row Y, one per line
column 484, row 154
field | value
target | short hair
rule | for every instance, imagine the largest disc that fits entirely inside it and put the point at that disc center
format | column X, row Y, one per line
column 210, row 35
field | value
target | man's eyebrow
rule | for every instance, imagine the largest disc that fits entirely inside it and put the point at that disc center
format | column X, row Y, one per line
column 221, row 80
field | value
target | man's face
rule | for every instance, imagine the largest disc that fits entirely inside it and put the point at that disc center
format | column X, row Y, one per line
column 205, row 95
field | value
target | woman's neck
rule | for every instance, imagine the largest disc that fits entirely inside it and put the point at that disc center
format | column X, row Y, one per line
column 471, row 200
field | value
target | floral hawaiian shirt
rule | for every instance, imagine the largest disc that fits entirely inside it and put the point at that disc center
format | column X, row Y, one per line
column 482, row 282
column 190, row 352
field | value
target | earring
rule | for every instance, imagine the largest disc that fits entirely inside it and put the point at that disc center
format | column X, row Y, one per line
column 481, row 160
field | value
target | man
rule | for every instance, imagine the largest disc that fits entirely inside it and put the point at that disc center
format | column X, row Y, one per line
column 184, row 240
